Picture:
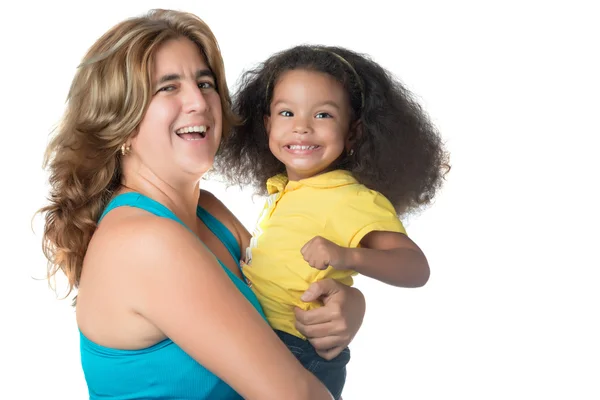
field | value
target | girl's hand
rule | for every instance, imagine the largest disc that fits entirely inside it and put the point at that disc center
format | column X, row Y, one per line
column 332, row 327
column 320, row 253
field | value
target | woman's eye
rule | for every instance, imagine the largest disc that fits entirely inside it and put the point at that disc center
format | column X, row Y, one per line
column 167, row 88
column 206, row 85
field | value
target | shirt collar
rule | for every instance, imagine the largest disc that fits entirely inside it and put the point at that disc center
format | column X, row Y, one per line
column 331, row 179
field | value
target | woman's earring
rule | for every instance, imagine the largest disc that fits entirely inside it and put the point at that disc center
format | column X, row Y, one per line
column 125, row 149
column 351, row 152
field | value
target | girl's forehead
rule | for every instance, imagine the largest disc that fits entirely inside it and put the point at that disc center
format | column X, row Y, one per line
column 309, row 88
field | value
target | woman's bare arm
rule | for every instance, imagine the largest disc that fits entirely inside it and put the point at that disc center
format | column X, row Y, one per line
column 182, row 290
column 331, row 328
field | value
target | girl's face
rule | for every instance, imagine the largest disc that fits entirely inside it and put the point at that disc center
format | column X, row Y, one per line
column 181, row 129
column 309, row 122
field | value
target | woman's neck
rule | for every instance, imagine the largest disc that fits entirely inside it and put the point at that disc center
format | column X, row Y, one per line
column 181, row 197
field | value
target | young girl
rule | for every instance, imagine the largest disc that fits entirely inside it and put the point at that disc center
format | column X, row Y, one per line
column 341, row 149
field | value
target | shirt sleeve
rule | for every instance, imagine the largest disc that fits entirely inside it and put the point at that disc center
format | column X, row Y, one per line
column 362, row 213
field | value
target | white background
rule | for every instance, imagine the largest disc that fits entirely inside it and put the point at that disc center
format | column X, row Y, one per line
column 511, row 309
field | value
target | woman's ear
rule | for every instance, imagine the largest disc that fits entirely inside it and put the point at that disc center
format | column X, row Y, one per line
column 133, row 136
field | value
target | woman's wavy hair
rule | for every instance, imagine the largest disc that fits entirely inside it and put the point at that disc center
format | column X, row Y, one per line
column 108, row 97
column 397, row 151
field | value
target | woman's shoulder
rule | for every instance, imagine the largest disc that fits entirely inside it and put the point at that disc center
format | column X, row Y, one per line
column 127, row 232
column 211, row 203
column 217, row 209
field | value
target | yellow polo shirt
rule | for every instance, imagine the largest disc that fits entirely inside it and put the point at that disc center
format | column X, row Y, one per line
column 332, row 205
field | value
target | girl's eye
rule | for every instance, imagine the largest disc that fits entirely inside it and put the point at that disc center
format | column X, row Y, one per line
column 286, row 114
column 323, row 115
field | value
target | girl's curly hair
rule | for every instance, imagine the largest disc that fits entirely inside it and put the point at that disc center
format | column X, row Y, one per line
column 398, row 152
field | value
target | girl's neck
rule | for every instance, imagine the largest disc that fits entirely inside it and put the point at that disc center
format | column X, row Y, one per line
column 298, row 177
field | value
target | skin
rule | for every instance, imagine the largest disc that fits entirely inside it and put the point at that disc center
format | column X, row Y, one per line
column 311, row 109
column 162, row 267
column 308, row 109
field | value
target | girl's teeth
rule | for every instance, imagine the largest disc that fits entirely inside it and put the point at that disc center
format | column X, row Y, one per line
column 298, row 147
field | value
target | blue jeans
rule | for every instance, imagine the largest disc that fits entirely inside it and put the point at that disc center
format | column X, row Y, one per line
column 332, row 373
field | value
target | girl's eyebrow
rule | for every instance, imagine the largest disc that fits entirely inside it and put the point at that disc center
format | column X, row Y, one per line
column 325, row 103
column 330, row 103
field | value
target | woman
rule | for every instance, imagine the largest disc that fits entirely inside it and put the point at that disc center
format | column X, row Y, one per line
column 162, row 307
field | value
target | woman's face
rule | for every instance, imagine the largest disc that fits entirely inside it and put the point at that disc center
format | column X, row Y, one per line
column 180, row 132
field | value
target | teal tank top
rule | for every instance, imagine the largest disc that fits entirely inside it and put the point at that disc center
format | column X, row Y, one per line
column 164, row 370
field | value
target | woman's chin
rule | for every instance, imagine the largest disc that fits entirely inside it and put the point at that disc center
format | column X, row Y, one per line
column 198, row 170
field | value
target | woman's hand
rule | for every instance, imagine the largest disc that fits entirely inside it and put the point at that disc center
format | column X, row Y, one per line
column 332, row 327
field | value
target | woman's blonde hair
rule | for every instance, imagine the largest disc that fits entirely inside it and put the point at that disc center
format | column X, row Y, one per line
column 106, row 102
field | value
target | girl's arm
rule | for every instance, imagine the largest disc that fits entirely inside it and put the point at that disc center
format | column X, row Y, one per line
column 181, row 289
column 390, row 257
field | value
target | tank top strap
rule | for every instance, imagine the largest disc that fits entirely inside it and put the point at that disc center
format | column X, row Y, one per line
column 222, row 233
column 138, row 200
